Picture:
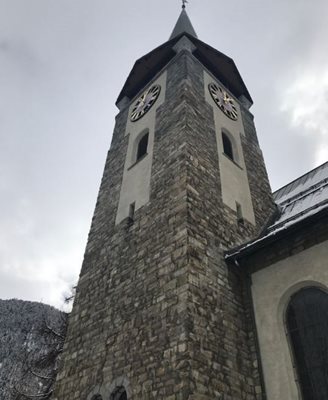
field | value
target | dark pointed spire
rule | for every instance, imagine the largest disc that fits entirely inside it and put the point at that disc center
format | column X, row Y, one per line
column 183, row 25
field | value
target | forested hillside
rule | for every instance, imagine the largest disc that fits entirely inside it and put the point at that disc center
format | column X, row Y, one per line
column 31, row 339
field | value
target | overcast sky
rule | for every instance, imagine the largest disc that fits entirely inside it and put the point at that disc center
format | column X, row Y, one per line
column 62, row 66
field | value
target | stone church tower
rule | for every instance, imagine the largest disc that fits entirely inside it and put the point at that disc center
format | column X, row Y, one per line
column 158, row 314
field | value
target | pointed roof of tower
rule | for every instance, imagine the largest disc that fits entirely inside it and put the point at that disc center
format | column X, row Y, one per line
column 217, row 63
column 183, row 25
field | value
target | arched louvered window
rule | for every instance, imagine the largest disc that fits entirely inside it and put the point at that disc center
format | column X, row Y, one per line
column 307, row 327
column 119, row 394
column 227, row 146
column 142, row 146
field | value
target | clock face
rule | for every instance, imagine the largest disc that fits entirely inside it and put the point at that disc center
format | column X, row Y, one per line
column 145, row 102
column 223, row 101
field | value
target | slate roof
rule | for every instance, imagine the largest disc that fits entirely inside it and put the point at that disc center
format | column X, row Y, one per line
column 302, row 196
column 298, row 201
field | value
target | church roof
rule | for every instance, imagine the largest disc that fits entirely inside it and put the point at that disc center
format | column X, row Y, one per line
column 221, row 66
column 183, row 25
column 301, row 200
column 302, row 184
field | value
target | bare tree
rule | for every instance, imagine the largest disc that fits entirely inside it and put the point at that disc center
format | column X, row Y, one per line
column 40, row 366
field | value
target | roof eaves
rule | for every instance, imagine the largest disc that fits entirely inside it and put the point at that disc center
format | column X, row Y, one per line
column 229, row 60
column 285, row 229
column 163, row 46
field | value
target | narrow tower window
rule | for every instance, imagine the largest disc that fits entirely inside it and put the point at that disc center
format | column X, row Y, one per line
column 132, row 210
column 227, row 146
column 307, row 327
column 142, row 146
column 239, row 212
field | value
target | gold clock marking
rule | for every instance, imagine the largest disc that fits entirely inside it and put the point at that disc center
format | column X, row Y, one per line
column 223, row 101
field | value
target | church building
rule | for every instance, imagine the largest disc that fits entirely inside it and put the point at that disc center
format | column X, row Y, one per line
column 198, row 282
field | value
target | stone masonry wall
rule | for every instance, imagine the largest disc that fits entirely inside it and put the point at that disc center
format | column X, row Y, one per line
column 156, row 308
column 221, row 337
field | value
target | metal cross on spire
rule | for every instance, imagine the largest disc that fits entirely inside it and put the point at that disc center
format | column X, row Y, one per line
column 184, row 2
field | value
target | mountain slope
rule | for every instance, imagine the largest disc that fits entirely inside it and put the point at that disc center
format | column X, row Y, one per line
column 31, row 339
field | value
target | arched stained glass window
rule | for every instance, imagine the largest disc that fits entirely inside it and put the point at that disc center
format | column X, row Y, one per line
column 307, row 327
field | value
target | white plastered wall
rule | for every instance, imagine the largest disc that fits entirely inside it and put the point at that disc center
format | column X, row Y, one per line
column 136, row 177
column 234, row 180
column 272, row 288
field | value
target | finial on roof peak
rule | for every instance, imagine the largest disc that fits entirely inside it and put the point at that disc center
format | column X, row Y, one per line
column 184, row 2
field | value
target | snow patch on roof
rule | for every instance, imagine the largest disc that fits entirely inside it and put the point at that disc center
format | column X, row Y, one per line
column 279, row 229
column 302, row 183
column 297, row 201
column 304, row 202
